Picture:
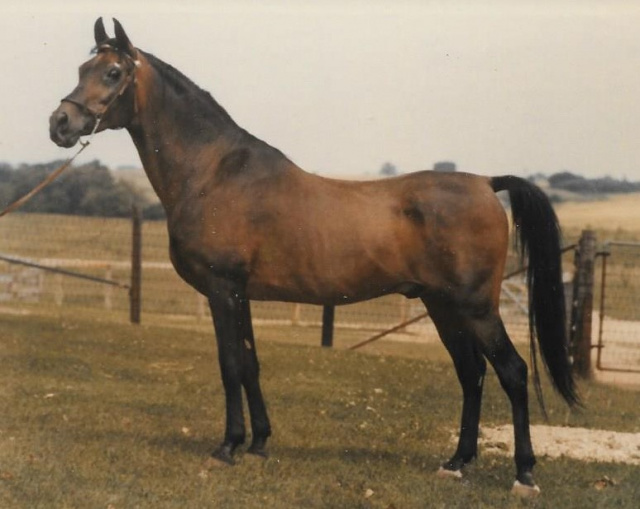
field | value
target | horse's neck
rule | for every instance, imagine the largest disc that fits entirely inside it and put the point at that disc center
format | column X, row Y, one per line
column 173, row 147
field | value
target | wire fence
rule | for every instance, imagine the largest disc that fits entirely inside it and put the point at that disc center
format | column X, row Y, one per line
column 101, row 248
column 618, row 318
column 97, row 248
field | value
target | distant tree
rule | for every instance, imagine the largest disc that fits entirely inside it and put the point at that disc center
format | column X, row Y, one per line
column 445, row 167
column 88, row 190
column 388, row 170
column 154, row 212
column 537, row 177
column 6, row 173
column 562, row 178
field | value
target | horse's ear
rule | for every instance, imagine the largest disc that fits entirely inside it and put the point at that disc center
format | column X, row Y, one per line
column 99, row 32
column 124, row 44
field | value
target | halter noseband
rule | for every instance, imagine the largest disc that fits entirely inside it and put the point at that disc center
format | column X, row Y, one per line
column 81, row 106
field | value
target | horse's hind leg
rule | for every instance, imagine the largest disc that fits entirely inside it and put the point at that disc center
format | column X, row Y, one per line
column 512, row 373
column 468, row 331
column 470, row 367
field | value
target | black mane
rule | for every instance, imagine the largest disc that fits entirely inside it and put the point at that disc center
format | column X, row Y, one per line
column 207, row 106
column 201, row 100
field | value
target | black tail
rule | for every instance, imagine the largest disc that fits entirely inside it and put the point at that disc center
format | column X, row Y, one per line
column 538, row 237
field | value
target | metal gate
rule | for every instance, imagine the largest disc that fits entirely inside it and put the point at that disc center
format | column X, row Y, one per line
column 618, row 318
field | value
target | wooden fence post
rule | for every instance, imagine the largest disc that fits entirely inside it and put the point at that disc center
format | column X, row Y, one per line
column 328, row 315
column 582, row 309
column 108, row 289
column 135, row 292
column 58, row 292
column 295, row 314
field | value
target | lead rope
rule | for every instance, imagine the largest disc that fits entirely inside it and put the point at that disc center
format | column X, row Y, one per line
column 21, row 201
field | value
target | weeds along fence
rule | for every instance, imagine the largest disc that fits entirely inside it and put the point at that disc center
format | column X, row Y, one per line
column 54, row 262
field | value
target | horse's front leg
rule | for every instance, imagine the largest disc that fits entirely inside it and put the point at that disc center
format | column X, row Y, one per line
column 260, row 426
column 238, row 367
column 226, row 312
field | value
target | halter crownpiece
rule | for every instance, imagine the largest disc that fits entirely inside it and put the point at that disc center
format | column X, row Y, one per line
column 109, row 47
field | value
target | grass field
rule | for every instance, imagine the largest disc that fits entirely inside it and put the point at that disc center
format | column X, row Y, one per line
column 613, row 218
column 104, row 415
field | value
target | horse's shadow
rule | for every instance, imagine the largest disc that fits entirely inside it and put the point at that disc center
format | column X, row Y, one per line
column 203, row 446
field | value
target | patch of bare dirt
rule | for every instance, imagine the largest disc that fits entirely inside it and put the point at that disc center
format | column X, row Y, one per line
column 577, row 443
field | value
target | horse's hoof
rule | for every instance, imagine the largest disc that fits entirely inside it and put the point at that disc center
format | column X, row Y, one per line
column 524, row 490
column 213, row 463
column 224, row 454
column 445, row 473
column 258, row 451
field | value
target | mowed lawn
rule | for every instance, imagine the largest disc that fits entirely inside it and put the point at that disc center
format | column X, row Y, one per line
column 103, row 415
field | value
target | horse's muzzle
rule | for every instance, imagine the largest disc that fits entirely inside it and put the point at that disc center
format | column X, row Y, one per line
column 66, row 125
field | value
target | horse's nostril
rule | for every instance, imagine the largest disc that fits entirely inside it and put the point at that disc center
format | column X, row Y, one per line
column 63, row 119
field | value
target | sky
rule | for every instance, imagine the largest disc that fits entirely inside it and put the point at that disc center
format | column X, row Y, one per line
column 342, row 87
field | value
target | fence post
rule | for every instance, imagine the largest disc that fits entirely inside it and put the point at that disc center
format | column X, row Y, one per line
column 328, row 315
column 135, row 292
column 58, row 292
column 295, row 314
column 582, row 309
column 108, row 289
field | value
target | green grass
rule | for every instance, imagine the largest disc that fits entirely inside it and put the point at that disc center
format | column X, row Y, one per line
column 99, row 414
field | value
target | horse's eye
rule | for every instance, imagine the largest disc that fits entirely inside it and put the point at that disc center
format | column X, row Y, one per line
column 114, row 74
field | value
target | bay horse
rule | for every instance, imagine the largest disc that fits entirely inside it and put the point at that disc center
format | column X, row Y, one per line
column 247, row 223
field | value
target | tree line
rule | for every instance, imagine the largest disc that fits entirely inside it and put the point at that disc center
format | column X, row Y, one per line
column 86, row 190
column 568, row 181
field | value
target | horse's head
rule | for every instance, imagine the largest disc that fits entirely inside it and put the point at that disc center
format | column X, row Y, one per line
column 105, row 93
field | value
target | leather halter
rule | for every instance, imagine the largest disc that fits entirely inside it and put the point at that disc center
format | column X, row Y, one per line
column 130, row 79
